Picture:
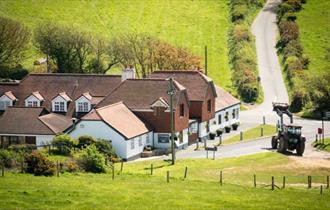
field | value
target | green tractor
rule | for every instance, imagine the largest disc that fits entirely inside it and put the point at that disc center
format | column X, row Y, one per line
column 289, row 136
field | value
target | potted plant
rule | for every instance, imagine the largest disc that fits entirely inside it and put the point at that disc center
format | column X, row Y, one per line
column 219, row 132
column 212, row 135
column 235, row 126
column 227, row 129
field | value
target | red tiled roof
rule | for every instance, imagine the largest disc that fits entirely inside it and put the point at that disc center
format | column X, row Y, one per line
column 224, row 99
column 56, row 122
column 120, row 118
column 195, row 82
column 50, row 85
column 10, row 95
column 141, row 93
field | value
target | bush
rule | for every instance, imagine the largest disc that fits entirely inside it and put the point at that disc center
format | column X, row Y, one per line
column 293, row 48
column 14, row 73
column 289, row 31
column 22, row 148
column 238, row 12
column 241, row 33
column 295, row 4
column 105, row 147
column 92, row 160
column 84, row 141
column 63, row 143
column 72, row 166
column 6, row 158
column 39, row 165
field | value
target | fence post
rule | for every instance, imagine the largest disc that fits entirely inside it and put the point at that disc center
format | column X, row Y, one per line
column 151, row 169
column 327, row 182
column 113, row 172
column 2, row 168
column 316, row 137
column 264, row 120
column 221, row 178
column 58, row 170
column 241, row 136
column 321, row 189
column 168, row 176
column 254, row 180
column 185, row 172
column 283, row 182
column 273, row 183
column 220, row 139
column 262, row 131
column 121, row 166
column 309, row 182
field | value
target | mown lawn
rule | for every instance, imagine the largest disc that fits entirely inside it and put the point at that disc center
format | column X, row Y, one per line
column 191, row 24
column 314, row 26
column 251, row 134
column 136, row 189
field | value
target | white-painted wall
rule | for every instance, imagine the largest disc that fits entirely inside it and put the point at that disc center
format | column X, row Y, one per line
column 202, row 129
column 31, row 98
column 5, row 101
column 83, row 99
column 99, row 129
column 167, row 145
column 59, row 99
column 40, row 139
column 224, row 123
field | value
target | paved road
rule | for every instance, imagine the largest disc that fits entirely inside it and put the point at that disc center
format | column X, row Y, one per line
column 265, row 30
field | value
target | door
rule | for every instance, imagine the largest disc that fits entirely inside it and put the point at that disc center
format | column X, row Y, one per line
column 30, row 140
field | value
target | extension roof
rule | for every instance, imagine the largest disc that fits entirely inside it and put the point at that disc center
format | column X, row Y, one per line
column 196, row 83
column 224, row 99
column 121, row 118
column 32, row 120
column 140, row 94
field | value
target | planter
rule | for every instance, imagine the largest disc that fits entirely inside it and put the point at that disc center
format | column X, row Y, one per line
column 227, row 129
column 145, row 154
column 212, row 136
column 235, row 126
column 219, row 132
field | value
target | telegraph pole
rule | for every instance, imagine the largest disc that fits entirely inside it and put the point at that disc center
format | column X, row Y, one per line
column 171, row 92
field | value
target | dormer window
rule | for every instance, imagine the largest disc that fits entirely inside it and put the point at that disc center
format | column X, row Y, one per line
column 6, row 100
column 34, row 100
column 60, row 102
column 83, row 103
column 159, row 106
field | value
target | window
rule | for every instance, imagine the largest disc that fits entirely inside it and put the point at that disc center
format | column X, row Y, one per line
column 132, row 144
column 59, row 106
column 140, row 141
column 181, row 137
column 227, row 117
column 209, row 107
column 4, row 105
column 147, row 139
column 207, row 126
column 163, row 138
column 181, row 110
column 237, row 113
column 83, row 107
column 219, row 119
column 32, row 104
column 193, row 127
column 234, row 113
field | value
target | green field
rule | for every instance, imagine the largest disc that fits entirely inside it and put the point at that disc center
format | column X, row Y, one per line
column 325, row 146
column 135, row 188
column 252, row 134
column 191, row 24
column 313, row 21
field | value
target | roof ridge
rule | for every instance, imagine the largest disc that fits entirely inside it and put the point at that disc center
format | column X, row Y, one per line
column 147, row 79
column 110, row 105
column 176, row 71
column 74, row 74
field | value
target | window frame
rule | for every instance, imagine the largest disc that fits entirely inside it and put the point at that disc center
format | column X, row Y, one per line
column 182, row 110
column 132, row 144
column 209, row 105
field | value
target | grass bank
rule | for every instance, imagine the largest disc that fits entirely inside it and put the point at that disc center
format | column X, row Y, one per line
column 323, row 146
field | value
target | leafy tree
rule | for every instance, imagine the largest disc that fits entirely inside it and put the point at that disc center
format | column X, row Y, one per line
column 64, row 144
column 92, row 160
column 14, row 40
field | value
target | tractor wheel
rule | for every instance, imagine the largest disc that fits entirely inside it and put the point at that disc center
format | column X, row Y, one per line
column 274, row 142
column 300, row 148
column 282, row 146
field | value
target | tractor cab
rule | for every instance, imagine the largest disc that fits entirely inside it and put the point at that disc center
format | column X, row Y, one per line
column 292, row 130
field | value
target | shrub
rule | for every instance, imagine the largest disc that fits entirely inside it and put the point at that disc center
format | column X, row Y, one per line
column 289, row 31
column 6, row 158
column 92, row 160
column 22, row 148
column 72, row 166
column 63, row 143
column 295, row 4
column 105, row 147
column 239, row 12
column 84, row 141
column 293, row 48
column 241, row 33
column 14, row 73
column 38, row 164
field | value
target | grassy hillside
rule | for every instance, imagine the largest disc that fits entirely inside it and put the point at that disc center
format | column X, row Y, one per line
column 191, row 24
column 136, row 189
column 313, row 21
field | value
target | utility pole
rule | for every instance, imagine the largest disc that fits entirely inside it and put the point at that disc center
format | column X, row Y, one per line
column 206, row 60
column 323, row 115
column 171, row 92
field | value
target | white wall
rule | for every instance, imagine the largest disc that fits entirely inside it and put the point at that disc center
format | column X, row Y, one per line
column 202, row 129
column 160, row 145
column 225, row 123
column 31, row 98
column 82, row 99
column 59, row 99
column 138, row 149
column 40, row 139
column 5, row 102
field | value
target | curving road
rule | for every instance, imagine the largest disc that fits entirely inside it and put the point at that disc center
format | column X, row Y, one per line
column 264, row 29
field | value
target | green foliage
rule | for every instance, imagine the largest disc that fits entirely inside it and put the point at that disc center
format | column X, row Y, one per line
column 63, row 144
column 320, row 91
column 72, row 166
column 91, row 160
column 39, row 165
column 84, row 141
column 5, row 155
column 238, row 12
column 289, row 31
column 14, row 73
column 105, row 147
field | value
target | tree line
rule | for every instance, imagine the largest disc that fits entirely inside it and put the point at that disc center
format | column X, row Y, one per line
column 70, row 50
column 309, row 93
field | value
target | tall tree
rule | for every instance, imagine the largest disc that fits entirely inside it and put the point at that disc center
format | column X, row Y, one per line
column 14, row 39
